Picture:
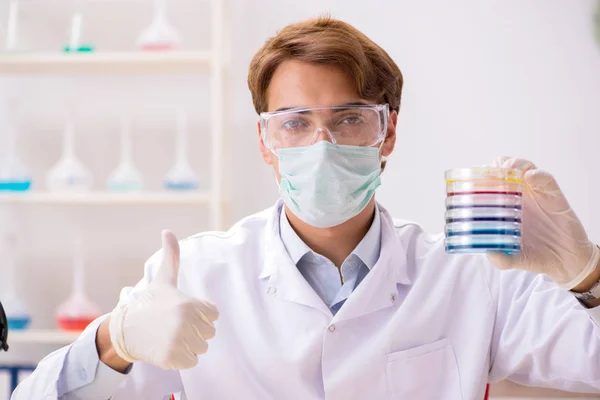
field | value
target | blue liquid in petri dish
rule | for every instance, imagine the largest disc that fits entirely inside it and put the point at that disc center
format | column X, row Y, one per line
column 483, row 219
column 15, row 186
column 484, row 247
column 18, row 324
column 503, row 232
column 181, row 186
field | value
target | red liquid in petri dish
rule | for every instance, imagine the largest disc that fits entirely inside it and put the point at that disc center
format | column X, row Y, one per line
column 73, row 324
column 490, row 192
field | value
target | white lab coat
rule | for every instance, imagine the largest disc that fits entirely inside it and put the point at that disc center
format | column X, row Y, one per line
column 422, row 325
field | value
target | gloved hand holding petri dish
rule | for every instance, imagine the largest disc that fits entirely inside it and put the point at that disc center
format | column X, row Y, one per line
column 484, row 210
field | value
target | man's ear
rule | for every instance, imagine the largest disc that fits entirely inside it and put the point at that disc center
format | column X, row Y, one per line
column 390, row 140
column 266, row 153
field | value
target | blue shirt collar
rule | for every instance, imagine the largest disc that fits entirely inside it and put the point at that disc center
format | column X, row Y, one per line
column 367, row 250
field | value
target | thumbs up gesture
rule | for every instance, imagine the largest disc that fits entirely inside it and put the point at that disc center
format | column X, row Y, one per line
column 163, row 326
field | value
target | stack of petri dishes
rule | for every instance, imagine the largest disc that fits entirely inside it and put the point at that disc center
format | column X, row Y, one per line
column 484, row 210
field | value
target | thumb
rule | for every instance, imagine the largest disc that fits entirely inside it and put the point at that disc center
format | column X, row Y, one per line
column 546, row 192
column 169, row 265
column 541, row 181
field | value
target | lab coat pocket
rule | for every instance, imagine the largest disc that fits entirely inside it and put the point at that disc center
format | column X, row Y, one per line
column 425, row 372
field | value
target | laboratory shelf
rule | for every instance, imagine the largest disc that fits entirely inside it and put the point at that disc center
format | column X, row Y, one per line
column 104, row 62
column 107, row 198
column 42, row 336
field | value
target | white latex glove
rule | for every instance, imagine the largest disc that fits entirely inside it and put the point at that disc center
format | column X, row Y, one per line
column 163, row 326
column 554, row 241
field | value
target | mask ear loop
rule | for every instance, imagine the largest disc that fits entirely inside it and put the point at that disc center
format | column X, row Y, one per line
column 382, row 159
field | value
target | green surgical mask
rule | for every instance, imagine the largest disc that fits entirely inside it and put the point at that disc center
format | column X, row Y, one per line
column 326, row 184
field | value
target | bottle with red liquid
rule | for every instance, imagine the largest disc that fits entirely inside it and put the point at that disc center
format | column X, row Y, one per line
column 159, row 35
column 76, row 313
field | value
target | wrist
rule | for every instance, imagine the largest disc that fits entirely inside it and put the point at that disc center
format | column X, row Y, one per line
column 590, row 280
column 106, row 351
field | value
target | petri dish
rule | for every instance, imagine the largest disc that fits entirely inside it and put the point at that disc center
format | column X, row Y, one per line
column 484, row 187
column 485, row 174
column 483, row 214
column 483, row 228
column 483, row 244
column 484, row 200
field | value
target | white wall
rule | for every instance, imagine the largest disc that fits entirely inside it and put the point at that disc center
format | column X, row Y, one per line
column 481, row 79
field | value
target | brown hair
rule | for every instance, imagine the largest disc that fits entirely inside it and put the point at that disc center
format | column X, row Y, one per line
column 326, row 40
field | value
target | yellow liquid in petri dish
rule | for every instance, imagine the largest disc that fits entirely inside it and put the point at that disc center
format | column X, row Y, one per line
column 484, row 174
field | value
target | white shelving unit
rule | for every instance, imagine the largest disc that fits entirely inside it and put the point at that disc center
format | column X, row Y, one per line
column 42, row 336
column 106, row 198
column 211, row 62
column 105, row 63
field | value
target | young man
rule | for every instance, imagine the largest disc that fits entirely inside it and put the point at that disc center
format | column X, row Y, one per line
column 325, row 295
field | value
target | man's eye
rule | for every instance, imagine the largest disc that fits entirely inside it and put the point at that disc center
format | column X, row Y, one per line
column 293, row 124
column 352, row 120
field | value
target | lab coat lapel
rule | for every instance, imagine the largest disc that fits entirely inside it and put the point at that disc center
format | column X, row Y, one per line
column 379, row 289
column 285, row 282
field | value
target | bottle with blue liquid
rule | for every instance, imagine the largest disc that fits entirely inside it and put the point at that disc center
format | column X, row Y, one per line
column 181, row 177
column 17, row 313
column 69, row 174
column 126, row 177
column 14, row 175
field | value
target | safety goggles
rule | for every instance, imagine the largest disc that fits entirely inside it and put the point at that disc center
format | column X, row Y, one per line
column 354, row 125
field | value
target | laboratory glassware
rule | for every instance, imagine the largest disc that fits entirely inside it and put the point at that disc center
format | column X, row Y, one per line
column 69, row 174
column 14, row 175
column 11, row 26
column 17, row 312
column 484, row 210
column 76, row 313
column 74, row 45
column 159, row 35
column 126, row 177
column 181, row 176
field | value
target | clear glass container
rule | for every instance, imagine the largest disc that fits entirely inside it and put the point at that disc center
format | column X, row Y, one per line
column 159, row 35
column 14, row 175
column 126, row 177
column 78, row 310
column 17, row 312
column 181, row 177
column 484, row 200
column 69, row 174
column 483, row 243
